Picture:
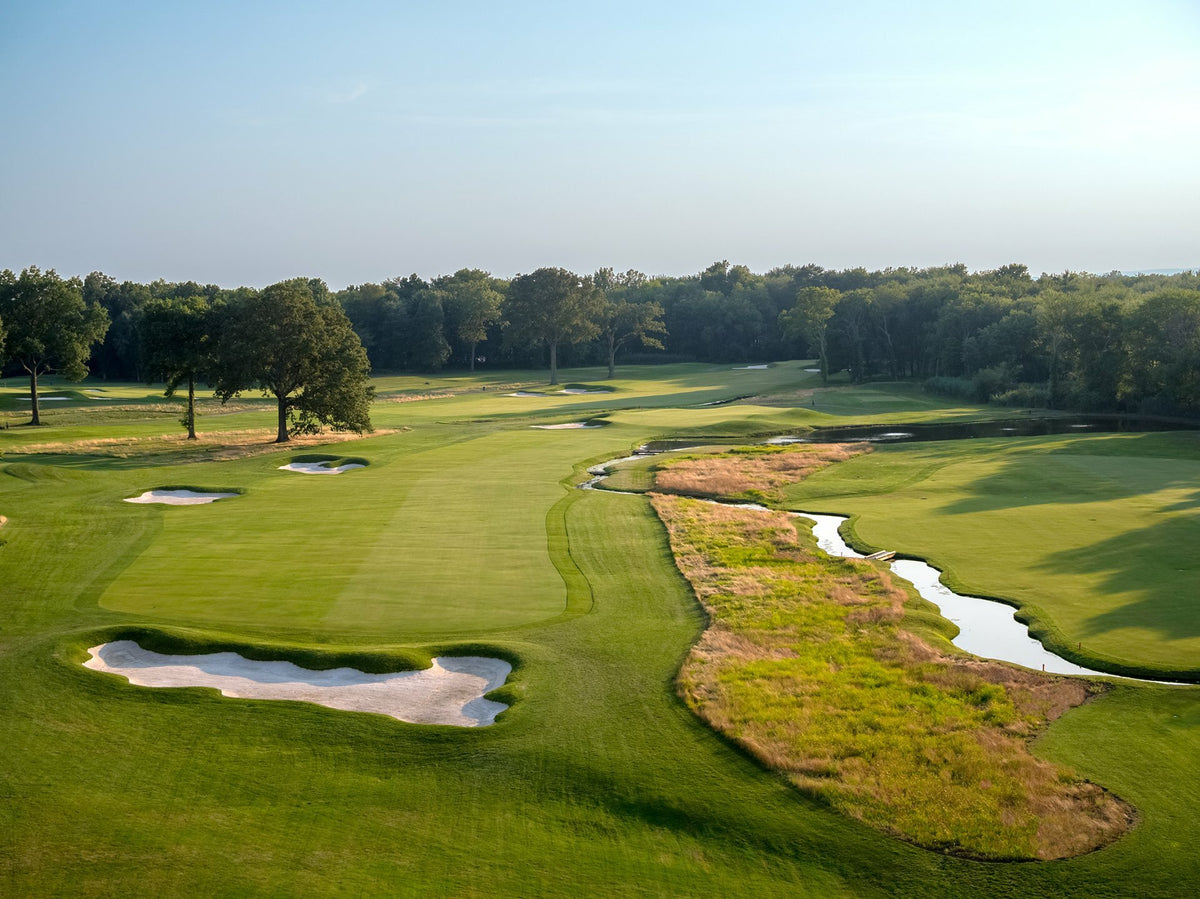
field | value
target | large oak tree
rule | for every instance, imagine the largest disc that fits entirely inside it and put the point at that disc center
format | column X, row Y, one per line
column 50, row 327
column 295, row 343
column 177, row 342
column 472, row 303
column 624, row 319
column 553, row 306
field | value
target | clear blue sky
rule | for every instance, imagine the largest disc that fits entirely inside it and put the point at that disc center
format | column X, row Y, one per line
column 245, row 143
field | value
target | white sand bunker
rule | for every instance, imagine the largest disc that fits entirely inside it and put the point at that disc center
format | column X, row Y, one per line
column 318, row 467
column 450, row 692
column 526, row 393
column 568, row 426
column 751, row 367
column 45, row 399
column 576, row 391
column 178, row 497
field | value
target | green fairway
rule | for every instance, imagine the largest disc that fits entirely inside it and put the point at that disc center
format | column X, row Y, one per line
column 464, row 534
column 1097, row 538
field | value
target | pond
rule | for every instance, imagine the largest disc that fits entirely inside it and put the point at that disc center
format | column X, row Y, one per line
column 1006, row 427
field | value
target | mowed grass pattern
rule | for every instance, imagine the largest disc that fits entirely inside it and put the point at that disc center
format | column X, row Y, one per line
column 445, row 540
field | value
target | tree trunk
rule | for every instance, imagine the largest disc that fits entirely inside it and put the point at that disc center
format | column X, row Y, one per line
column 612, row 357
column 33, row 397
column 553, row 362
column 283, row 431
column 823, row 344
column 473, row 345
column 191, row 408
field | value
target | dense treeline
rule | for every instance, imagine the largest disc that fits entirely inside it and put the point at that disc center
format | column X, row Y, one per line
column 1080, row 341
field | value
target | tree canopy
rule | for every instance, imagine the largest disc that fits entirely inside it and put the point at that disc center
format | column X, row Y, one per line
column 50, row 327
column 177, row 345
column 552, row 306
column 472, row 304
column 622, row 320
column 303, row 352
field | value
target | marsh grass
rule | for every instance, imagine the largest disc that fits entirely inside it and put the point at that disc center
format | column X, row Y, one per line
column 755, row 473
column 808, row 664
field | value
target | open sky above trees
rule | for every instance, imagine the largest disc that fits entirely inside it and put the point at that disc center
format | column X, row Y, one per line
column 240, row 145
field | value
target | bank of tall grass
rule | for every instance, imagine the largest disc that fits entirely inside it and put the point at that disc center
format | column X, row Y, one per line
column 810, row 664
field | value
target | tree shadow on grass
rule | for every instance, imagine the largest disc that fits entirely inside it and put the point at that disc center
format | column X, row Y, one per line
column 1043, row 476
column 1160, row 564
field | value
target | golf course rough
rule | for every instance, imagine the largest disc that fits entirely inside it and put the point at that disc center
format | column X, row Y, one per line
column 808, row 665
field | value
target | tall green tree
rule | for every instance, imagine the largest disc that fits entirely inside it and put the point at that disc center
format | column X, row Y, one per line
column 623, row 321
column 300, row 351
column 809, row 319
column 50, row 327
column 552, row 306
column 472, row 304
column 177, row 341
column 426, row 346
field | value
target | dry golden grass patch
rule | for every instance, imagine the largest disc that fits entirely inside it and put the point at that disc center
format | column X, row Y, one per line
column 415, row 398
column 807, row 664
column 754, row 472
column 208, row 445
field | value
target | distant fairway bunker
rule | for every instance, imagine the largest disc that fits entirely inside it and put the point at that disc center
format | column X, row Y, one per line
column 567, row 389
column 323, row 464
column 449, row 692
column 179, row 496
column 571, row 426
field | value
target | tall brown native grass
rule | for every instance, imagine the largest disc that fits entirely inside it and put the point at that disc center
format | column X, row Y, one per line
column 757, row 474
column 209, row 445
column 811, row 665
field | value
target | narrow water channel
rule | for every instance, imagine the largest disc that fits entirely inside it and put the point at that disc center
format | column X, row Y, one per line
column 986, row 628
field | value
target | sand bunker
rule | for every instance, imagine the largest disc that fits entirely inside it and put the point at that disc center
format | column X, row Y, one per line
column 568, row 426
column 525, row 393
column 44, row 399
column 178, row 497
column 576, row 391
column 318, row 467
column 450, row 692
column 750, row 367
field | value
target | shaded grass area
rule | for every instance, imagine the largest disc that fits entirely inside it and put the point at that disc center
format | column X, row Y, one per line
column 1095, row 538
column 808, row 665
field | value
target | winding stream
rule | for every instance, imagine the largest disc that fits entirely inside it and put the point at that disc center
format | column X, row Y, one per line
column 986, row 628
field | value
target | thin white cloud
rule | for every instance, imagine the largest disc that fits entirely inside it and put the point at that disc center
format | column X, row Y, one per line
column 347, row 94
